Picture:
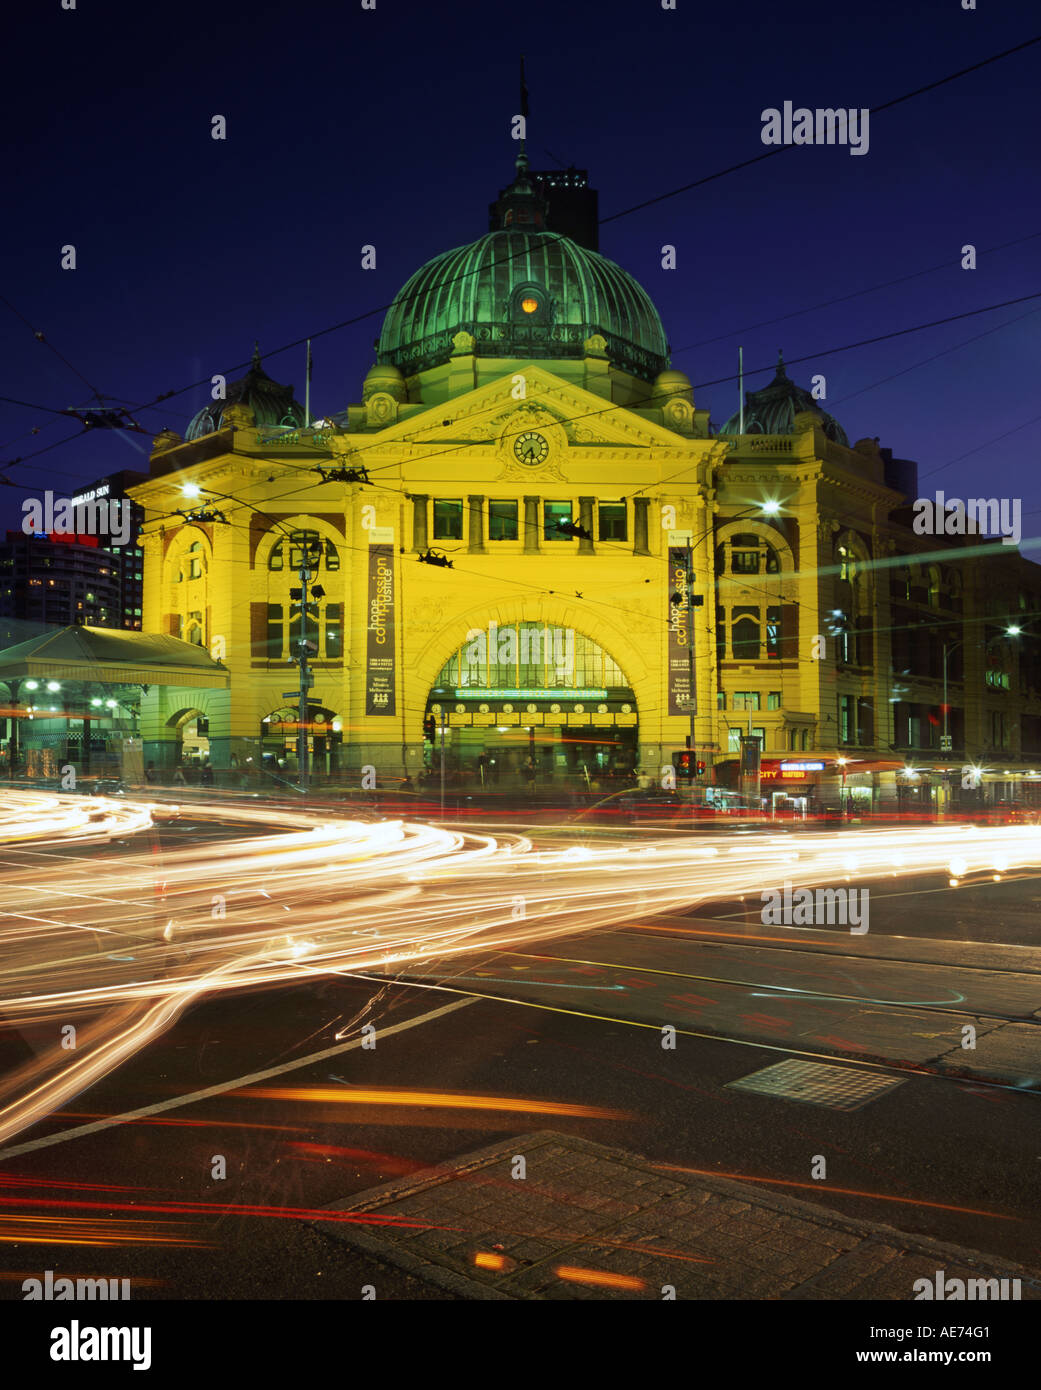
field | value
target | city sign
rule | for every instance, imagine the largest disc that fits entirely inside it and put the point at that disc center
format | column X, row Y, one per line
column 802, row 767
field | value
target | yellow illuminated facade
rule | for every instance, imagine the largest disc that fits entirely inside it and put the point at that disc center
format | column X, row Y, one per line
column 523, row 423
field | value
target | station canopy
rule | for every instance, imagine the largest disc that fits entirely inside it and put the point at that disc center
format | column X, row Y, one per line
column 112, row 657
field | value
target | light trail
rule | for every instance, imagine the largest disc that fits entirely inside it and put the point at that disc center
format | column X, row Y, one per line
column 119, row 949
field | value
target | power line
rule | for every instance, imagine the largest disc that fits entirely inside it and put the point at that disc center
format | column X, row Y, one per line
column 896, row 101
column 780, row 149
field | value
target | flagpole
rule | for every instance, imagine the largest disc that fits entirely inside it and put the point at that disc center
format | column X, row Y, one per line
column 741, row 389
column 307, row 388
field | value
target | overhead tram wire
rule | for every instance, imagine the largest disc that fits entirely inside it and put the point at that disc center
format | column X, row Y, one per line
column 856, row 294
column 779, row 149
column 295, row 491
column 600, row 412
column 625, row 212
column 167, row 395
column 571, row 595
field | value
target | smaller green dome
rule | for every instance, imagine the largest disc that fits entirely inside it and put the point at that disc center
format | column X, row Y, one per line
column 773, row 410
column 672, row 382
column 270, row 403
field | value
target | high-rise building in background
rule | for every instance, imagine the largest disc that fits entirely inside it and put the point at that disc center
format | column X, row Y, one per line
column 52, row 580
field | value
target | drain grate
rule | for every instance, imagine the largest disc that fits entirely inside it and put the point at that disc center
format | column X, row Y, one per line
column 816, row 1083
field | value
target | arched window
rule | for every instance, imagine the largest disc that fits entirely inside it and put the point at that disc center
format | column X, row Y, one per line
column 530, row 656
column 304, row 545
column 195, row 560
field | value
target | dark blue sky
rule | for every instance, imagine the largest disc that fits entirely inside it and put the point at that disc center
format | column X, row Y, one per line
column 391, row 127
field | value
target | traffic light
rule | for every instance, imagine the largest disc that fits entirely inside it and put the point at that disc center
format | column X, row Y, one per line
column 430, row 728
column 699, row 768
column 683, row 762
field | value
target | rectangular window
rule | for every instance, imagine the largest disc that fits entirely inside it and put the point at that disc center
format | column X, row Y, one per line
column 744, row 561
column 502, row 521
column 273, row 641
column 773, row 633
column 334, row 631
column 773, row 700
column 448, row 519
column 613, row 525
column 733, row 740
column 746, row 699
column 295, row 628
column 721, row 699
column 846, row 719
column 553, row 512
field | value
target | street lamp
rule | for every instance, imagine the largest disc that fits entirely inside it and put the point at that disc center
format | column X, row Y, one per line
column 1013, row 630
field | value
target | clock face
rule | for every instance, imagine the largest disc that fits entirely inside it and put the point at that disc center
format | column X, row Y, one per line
column 531, row 448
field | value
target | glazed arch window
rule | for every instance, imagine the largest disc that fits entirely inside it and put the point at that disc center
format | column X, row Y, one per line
column 304, row 546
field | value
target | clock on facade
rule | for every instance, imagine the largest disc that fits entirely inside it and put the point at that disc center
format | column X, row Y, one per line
column 531, row 447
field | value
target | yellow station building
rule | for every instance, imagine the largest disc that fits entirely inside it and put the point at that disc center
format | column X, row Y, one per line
column 523, row 422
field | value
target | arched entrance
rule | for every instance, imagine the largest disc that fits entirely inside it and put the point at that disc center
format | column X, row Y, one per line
column 191, row 739
column 527, row 698
column 279, row 735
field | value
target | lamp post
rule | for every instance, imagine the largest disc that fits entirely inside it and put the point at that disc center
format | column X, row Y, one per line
column 1013, row 630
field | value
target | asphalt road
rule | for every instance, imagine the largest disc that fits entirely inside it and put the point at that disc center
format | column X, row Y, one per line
column 573, row 1023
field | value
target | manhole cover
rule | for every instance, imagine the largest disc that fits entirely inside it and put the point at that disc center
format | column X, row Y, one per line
column 815, row 1083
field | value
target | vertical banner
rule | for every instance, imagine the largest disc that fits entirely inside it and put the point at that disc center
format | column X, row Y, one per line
column 681, row 696
column 379, row 643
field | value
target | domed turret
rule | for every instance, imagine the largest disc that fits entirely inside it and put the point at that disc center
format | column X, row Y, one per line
column 269, row 403
column 523, row 291
column 773, row 410
column 673, row 383
column 384, row 377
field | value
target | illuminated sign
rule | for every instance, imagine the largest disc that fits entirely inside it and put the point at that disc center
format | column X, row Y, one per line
column 802, row 767
column 91, row 496
column 470, row 693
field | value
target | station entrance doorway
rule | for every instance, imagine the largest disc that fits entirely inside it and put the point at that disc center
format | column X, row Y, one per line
column 532, row 703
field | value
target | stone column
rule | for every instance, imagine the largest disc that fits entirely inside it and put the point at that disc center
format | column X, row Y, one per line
column 476, row 526
column 585, row 519
column 531, row 525
column 640, row 539
column 419, row 521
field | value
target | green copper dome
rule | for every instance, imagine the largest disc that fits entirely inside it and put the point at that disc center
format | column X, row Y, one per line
column 523, row 293
column 773, row 410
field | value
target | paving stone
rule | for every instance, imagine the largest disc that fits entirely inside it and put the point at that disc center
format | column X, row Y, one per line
column 615, row 1216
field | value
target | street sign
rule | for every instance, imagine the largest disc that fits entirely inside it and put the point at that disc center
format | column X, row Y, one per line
column 295, row 695
column 946, row 743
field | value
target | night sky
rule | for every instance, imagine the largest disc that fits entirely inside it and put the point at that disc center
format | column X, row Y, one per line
column 391, row 127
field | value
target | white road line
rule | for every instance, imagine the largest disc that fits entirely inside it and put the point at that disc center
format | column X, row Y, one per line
column 81, row 1130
